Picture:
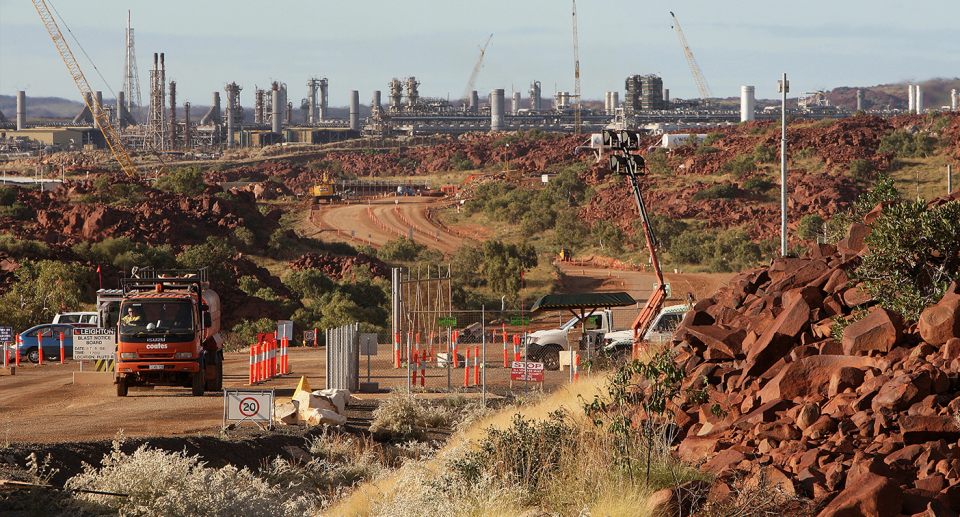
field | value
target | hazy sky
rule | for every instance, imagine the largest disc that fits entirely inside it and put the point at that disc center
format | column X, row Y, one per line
column 363, row 45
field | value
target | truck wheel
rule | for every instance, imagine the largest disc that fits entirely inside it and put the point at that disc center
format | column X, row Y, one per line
column 122, row 387
column 219, row 384
column 216, row 361
column 551, row 358
column 199, row 380
column 33, row 355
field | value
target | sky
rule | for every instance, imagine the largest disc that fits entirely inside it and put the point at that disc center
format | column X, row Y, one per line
column 361, row 46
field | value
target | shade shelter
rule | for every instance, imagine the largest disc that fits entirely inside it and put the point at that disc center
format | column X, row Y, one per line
column 582, row 305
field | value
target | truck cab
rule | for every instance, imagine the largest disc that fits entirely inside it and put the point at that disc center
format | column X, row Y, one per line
column 168, row 332
column 619, row 344
column 546, row 345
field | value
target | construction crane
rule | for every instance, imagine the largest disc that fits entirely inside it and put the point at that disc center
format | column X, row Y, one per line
column 98, row 112
column 476, row 70
column 576, row 73
column 694, row 68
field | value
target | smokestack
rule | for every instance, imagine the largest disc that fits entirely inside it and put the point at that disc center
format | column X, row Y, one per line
column 354, row 110
column 953, row 100
column 474, row 102
column 516, row 102
column 666, row 97
column 859, row 99
column 275, row 116
column 748, row 104
column 918, row 93
column 911, row 99
column 99, row 109
column 616, row 101
column 213, row 114
column 496, row 110
column 376, row 102
column 21, row 110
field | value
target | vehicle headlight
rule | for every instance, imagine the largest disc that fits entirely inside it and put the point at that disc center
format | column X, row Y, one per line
column 183, row 355
column 128, row 355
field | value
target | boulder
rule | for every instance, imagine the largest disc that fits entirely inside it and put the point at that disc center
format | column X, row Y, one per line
column 940, row 322
column 287, row 412
column 879, row 331
column 811, row 376
column 323, row 417
column 872, row 496
column 778, row 338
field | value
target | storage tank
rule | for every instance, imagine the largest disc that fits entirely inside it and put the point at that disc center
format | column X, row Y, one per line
column 496, row 110
column 516, row 102
column 748, row 104
column 354, row 110
column 21, row 110
column 918, row 98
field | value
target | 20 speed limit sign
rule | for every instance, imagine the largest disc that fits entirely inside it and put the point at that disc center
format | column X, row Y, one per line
column 255, row 406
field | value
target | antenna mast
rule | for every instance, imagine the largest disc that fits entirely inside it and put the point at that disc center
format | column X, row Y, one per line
column 131, row 78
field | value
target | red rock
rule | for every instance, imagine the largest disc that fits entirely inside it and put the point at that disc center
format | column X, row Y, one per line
column 922, row 429
column 951, row 350
column 879, row 330
column 776, row 341
column 837, row 280
column 855, row 296
column 872, row 496
column 810, row 376
column 901, row 392
column 846, row 378
column 941, row 322
column 724, row 460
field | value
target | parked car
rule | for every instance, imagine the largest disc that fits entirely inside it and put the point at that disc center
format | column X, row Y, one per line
column 49, row 335
column 92, row 318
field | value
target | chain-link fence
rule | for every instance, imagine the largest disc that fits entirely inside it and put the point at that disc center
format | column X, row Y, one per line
column 473, row 350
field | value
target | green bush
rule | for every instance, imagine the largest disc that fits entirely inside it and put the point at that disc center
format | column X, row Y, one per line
column 705, row 149
column 905, row 145
column 461, row 162
column 809, row 226
column 722, row 191
column 8, row 196
column 184, row 180
column 860, row 168
column 741, row 165
column 19, row 247
column 402, row 249
column 712, row 138
column 758, row 184
column 764, row 154
column 664, row 228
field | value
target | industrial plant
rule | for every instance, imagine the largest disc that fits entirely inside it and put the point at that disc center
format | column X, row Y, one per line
column 162, row 125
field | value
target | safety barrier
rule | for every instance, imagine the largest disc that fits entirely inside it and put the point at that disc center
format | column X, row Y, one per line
column 268, row 360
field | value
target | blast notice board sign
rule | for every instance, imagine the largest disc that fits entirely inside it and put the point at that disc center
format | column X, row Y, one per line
column 94, row 344
column 524, row 371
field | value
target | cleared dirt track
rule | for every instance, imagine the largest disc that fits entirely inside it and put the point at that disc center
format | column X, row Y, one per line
column 386, row 219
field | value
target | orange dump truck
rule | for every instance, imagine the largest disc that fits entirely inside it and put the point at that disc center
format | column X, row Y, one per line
column 168, row 331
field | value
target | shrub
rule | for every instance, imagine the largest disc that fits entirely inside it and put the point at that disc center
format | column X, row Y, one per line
column 905, row 145
column 712, row 137
column 705, row 149
column 402, row 249
column 758, row 184
column 722, row 191
column 809, row 226
column 740, row 165
column 403, row 417
column 764, row 154
column 184, row 180
column 860, row 168
column 461, row 162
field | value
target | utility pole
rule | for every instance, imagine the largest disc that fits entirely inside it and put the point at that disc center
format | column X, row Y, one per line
column 783, row 86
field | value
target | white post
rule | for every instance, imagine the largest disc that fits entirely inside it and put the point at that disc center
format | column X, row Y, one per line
column 784, row 88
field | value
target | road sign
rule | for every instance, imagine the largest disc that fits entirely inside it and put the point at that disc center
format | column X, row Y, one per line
column 447, row 321
column 309, row 335
column 254, row 406
column 6, row 334
column 524, row 371
column 94, row 344
column 517, row 320
column 666, row 286
column 368, row 343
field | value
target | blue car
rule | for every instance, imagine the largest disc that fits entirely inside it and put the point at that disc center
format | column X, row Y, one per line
column 49, row 335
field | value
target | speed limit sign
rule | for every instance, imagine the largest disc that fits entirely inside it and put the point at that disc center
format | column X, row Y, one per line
column 252, row 406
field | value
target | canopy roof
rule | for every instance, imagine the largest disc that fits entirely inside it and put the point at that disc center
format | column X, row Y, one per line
column 552, row 302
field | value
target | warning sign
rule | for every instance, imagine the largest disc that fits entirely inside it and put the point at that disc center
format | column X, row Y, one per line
column 524, row 371
column 94, row 344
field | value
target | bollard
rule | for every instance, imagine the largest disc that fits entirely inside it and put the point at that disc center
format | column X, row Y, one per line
column 506, row 357
column 413, row 371
column 283, row 355
column 417, row 341
column 423, row 369
column 62, row 354
column 466, row 370
column 316, row 337
column 576, row 369
column 253, row 364
column 476, row 366
column 516, row 347
column 432, row 357
column 456, row 336
column 40, row 348
column 16, row 341
column 396, row 350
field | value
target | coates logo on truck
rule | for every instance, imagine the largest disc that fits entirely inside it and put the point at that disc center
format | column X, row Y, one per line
column 154, row 347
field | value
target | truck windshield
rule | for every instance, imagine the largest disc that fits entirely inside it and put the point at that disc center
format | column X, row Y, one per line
column 156, row 317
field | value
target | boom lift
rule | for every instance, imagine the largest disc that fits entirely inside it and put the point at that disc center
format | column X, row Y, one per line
column 98, row 112
column 623, row 145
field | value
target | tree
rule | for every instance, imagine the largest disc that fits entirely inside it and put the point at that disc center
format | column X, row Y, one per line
column 43, row 288
column 213, row 254
column 402, row 249
column 912, row 255
column 309, row 283
column 503, row 264
column 809, row 226
column 184, row 180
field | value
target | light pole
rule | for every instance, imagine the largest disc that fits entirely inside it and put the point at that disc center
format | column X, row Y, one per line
column 783, row 86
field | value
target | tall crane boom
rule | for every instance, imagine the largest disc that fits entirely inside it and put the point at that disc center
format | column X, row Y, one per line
column 694, row 68
column 576, row 72
column 476, row 70
column 98, row 112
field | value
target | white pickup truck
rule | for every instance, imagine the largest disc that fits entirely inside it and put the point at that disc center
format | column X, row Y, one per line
column 620, row 343
column 614, row 338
